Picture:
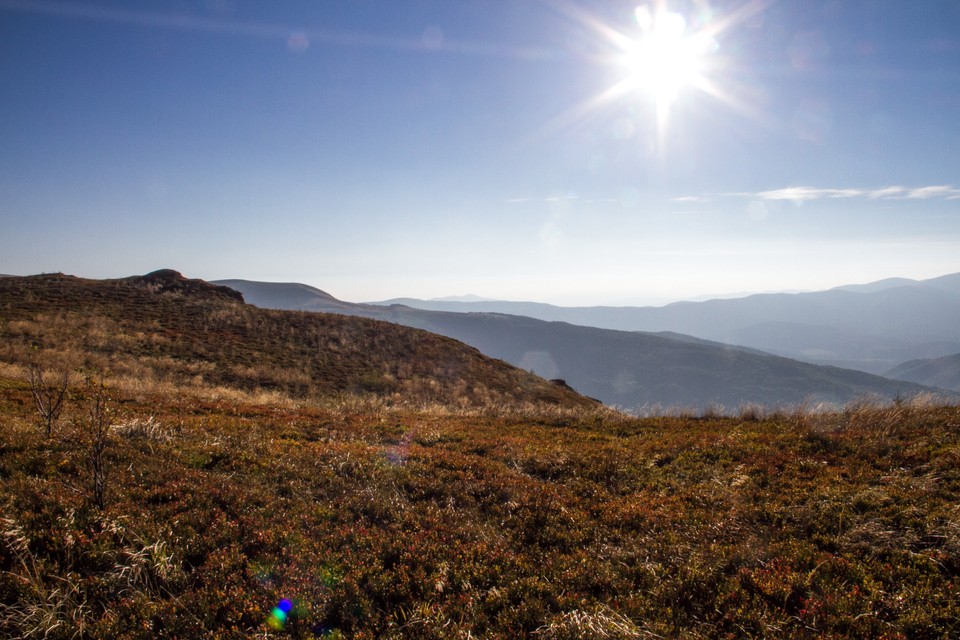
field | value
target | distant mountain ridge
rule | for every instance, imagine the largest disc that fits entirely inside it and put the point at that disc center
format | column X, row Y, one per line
column 464, row 298
column 877, row 285
column 276, row 292
column 936, row 372
column 871, row 327
column 629, row 369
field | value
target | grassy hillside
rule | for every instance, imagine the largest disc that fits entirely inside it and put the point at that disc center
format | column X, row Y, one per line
column 166, row 329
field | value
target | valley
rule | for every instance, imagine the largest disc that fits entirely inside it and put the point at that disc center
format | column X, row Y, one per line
column 636, row 371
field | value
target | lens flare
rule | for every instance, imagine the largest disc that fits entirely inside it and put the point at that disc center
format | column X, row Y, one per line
column 280, row 614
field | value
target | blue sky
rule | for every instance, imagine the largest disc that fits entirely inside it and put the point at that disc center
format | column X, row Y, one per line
column 511, row 149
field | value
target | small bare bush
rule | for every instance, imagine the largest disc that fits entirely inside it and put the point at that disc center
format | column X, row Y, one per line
column 49, row 392
column 94, row 429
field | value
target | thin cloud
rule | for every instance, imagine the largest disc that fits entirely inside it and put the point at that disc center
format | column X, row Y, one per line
column 807, row 193
column 940, row 191
column 894, row 192
column 888, row 192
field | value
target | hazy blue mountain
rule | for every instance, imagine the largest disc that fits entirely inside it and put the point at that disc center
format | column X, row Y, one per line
column 879, row 285
column 871, row 327
column 464, row 298
column 285, row 295
column 630, row 369
column 939, row 372
column 949, row 282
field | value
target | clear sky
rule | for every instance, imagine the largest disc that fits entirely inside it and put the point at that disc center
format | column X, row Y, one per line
column 566, row 152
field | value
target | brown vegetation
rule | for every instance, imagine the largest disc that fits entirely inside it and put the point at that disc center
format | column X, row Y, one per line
column 387, row 523
column 200, row 337
column 233, row 513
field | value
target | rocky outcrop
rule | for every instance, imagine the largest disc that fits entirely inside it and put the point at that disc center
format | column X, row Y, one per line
column 171, row 281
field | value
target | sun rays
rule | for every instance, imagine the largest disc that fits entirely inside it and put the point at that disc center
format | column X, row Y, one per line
column 662, row 57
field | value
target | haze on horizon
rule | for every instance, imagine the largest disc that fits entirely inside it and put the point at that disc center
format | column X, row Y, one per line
column 568, row 152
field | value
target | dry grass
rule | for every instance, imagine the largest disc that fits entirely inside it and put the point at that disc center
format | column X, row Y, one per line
column 51, row 606
column 381, row 521
column 600, row 624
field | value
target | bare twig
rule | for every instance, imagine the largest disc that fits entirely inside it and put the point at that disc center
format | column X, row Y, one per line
column 48, row 396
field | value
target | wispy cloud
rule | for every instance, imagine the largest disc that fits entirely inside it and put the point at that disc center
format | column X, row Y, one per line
column 807, row 193
column 942, row 191
column 888, row 192
column 894, row 192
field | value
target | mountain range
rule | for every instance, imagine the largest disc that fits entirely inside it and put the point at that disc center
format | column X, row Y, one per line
column 873, row 327
column 632, row 369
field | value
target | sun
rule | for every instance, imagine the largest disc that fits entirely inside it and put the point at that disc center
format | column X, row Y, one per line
column 662, row 58
column 666, row 58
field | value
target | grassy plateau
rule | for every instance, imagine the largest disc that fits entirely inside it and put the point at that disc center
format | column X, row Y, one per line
column 220, row 471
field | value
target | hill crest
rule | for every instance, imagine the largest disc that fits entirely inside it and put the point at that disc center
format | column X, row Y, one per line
column 165, row 327
column 172, row 281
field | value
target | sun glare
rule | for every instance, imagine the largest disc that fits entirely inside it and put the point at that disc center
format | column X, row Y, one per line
column 666, row 55
column 665, row 58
